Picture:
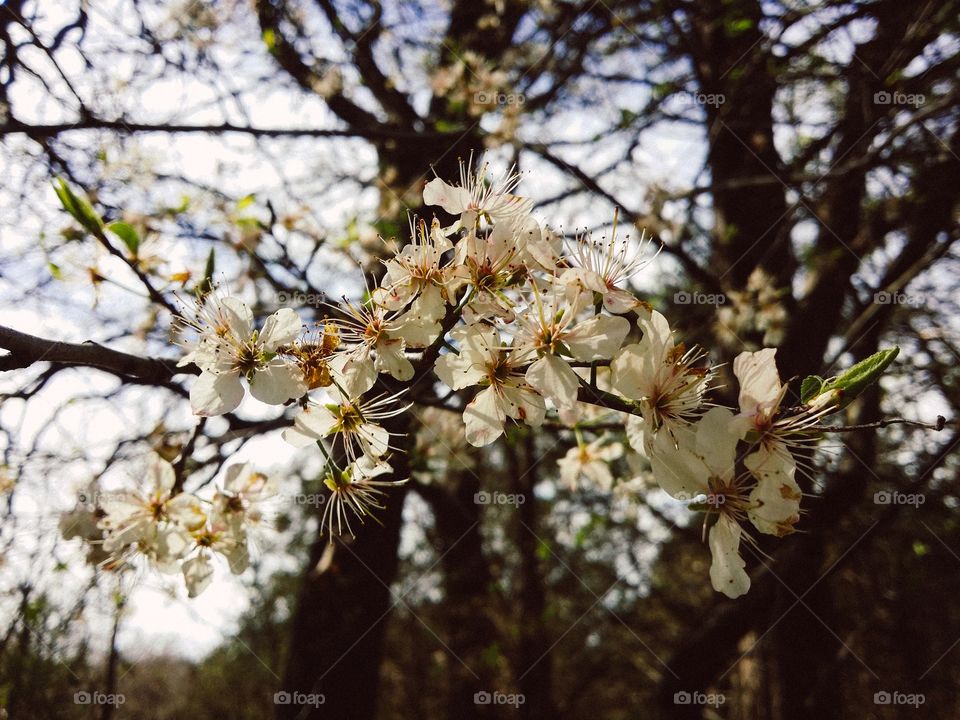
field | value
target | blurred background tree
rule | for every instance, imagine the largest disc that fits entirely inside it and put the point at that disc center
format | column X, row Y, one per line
column 797, row 160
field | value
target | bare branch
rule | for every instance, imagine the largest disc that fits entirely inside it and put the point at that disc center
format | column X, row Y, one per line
column 25, row 350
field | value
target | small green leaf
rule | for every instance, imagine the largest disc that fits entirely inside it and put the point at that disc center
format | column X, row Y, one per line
column 841, row 391
column 269, row 39
column 55, row 271
column 447, row 126
column 864, row 373
column 737, row 27
column 127, row 233
column 810, row 388
column 245, row 202
column 662, row 90
column 543, row 550
column 206, row 284
column 491, row 655
column 79, row 207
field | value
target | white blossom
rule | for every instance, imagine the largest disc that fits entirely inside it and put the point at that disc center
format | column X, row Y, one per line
column 662, row 377
column 604, row 266
column 591, row 461
column 551, row 330
column 475, row 199
column 355, row 490
column 483, row 360
column 351, row 418
column 152, row 521
column 228, row 348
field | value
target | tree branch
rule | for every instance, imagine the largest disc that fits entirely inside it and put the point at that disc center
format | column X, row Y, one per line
column 123, row 127
column 25, row 350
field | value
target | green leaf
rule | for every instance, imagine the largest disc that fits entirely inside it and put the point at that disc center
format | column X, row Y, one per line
column 55, row 271
column 245, row 202
column 842, row 390
column 206, row 284
column 543, row 550
column 491, row 655
column 127, row 233
column 864, row 373
column 269, row 39
column 810, row 388
column 737, row 27
column 662, row 90
column 447, row 126
column 79, row 207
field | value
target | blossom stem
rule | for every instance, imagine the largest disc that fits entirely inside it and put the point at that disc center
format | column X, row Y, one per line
column 328, row 456
column 937, row 426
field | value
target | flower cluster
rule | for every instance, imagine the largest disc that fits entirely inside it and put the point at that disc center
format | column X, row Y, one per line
column 175, row 531
column 526, row 328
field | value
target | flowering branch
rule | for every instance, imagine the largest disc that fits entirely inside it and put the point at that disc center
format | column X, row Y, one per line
column 528, row 325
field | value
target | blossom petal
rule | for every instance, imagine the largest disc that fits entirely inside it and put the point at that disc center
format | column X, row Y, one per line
column 236, row 477
column 633, row 371
column 676, row 468
column 161, row 474
column 277, row 383
column 727, row 573
column 554, row 379
column 216, row 394
column 717, row 437
column 598, row 472
column 355, row 374
column 776, row 498
column 169, row 545
column 281, row 328
column 759, row 380
column 186, row 510
column 238, row 555
column 569, row 466
column 483, row 418
column 451, row 198
column 597, row 338
column 657, row 338
column 198, row 573
column 374, row 439
column 457, row 371
column 238, row 316
column 420, row 325
column 619, row 302
column 522, row 403
column 390, row 359
column 312, row 424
